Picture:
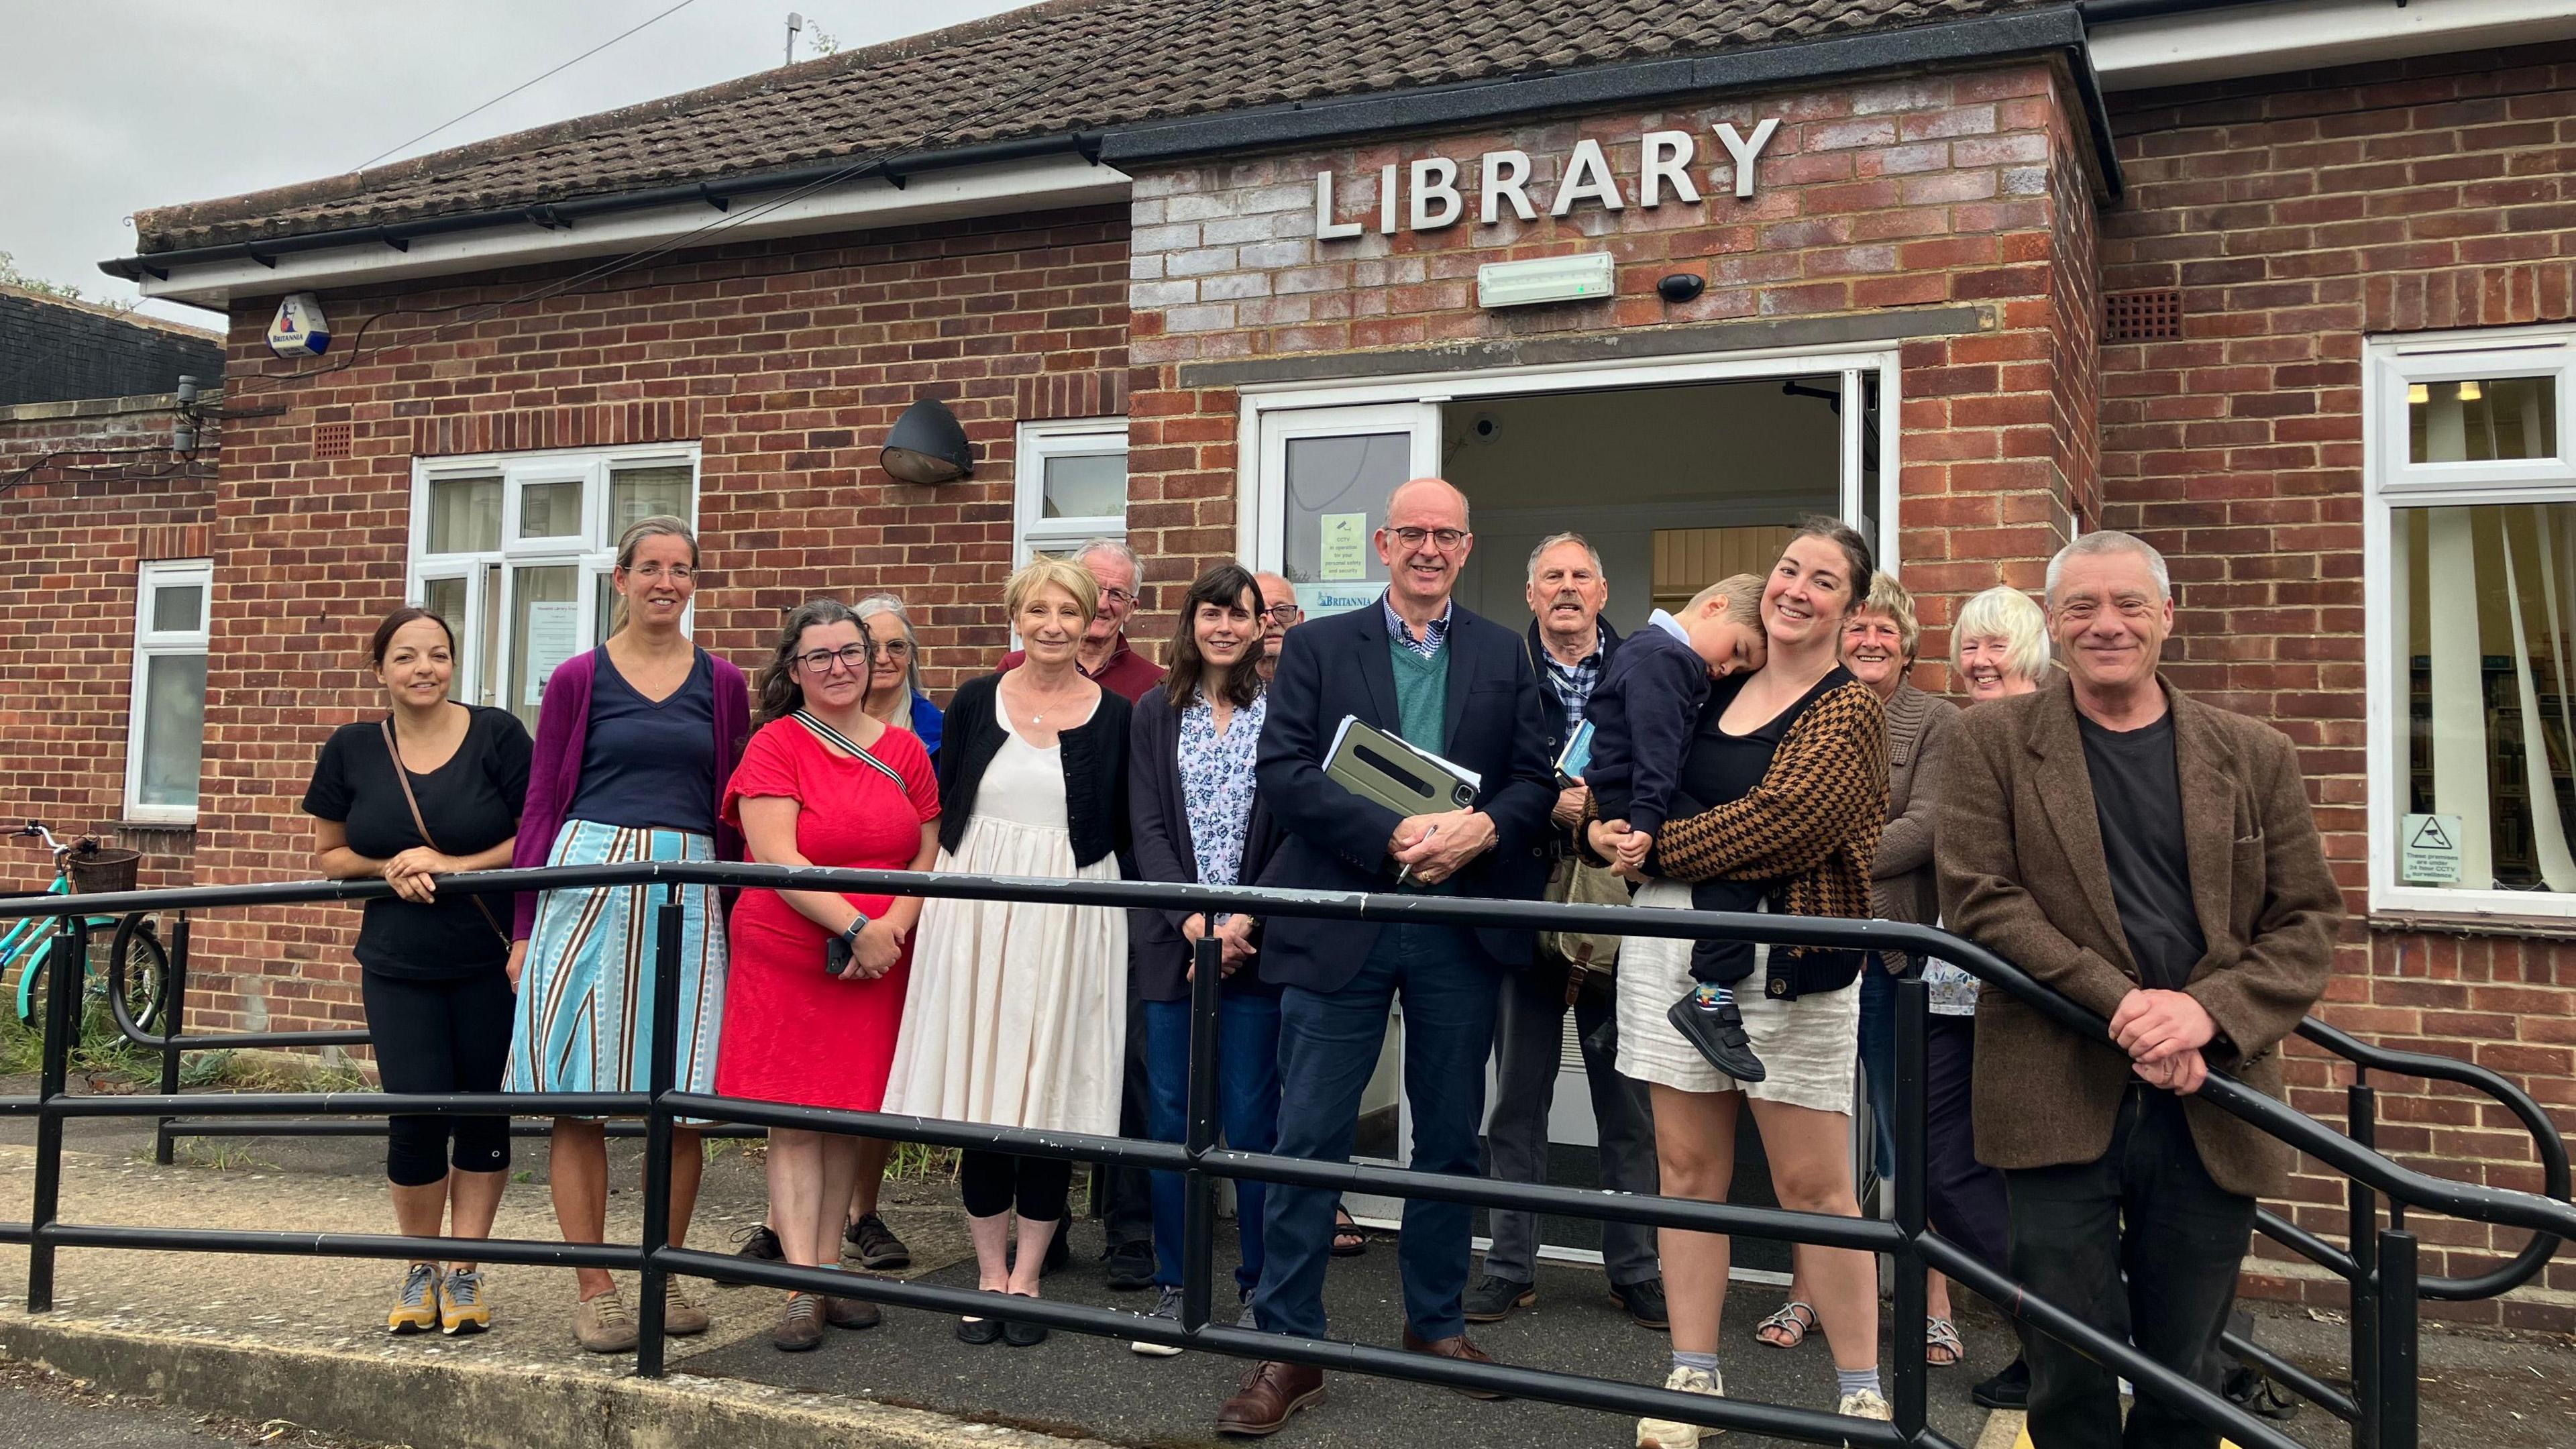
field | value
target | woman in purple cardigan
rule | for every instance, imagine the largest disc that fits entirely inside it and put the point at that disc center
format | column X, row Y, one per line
column 635, row 742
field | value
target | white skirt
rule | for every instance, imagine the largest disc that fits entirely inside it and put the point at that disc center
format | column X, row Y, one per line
column 1017, row 1013
column 1810, row 1047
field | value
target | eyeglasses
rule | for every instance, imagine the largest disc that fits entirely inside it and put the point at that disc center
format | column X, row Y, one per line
column 654, row 573
column 852, row 657
column 1283, row 615
column 1444, row 539
column 1117, row 598
column 895, row 649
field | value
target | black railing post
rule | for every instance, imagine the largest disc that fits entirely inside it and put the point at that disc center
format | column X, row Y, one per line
column 2361, row 1228
column 1198, row 1203
column 66, row 976
column 2397, row 1399
column 1913, row 1020
column 663, row 1047
column 174, row 1012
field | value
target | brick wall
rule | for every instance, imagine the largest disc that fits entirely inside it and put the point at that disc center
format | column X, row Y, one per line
column 2296, row 216
column 1873, row 196
column 77, row 528
column 787, row 360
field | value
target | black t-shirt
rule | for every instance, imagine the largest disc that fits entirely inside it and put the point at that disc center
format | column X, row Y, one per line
column 471, row 804
column 2137, row 796
column 1722, row 768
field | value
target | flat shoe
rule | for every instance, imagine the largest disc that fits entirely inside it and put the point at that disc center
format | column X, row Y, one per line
column 979, row 1330
column 1023, row 1335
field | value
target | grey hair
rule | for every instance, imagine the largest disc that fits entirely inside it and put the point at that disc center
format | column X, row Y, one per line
column 1555, row 539
column 2006, row 613
column 2112, row 541
column 1090, row 546
column 875, row 605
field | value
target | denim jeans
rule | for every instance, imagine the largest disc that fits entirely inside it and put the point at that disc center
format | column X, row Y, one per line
column 1247, row 1100
column 1328, row 1049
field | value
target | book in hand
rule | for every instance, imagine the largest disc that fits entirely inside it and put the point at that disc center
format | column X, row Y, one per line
column 1576, row 757
column 1405, row 778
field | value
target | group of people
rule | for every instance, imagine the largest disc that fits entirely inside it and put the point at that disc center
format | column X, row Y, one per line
column 1764, row 748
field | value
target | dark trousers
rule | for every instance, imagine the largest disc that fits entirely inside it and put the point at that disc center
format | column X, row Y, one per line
column 994, row 1183
column 1723, row 963
column 1328, row 1048
column 440, row 1035
column 1127, row 1199
column 1878, row 1062
column 1247, row 1099
column 1529, row 1046
column 2145, row 1209
column 1964, row 1196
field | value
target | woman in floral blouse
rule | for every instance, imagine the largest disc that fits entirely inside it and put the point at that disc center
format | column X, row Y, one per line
column 1196, row 820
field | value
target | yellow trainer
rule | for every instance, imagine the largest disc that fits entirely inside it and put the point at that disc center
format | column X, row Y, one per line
column 416, row 1307
column 461, row 1308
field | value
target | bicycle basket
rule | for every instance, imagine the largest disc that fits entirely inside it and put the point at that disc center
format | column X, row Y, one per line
column 101, row 869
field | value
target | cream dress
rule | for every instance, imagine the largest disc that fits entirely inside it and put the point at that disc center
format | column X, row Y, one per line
column 1017, row 1014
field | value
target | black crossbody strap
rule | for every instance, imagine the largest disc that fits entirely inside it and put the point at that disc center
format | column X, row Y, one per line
column 840, row 741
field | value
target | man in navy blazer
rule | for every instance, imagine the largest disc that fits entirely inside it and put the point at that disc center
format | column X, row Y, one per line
column 1417, row 665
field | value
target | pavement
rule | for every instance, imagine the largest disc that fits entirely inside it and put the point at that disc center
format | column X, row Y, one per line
column 41, row 1409
column 300, row 1337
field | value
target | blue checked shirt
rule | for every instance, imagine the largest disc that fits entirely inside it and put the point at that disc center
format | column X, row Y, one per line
column 1433, row 636
column 1574, row 682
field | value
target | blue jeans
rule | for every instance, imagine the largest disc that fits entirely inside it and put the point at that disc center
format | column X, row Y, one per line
column 1247, row 1099
column 1328, row 1048
column 1878, row 1061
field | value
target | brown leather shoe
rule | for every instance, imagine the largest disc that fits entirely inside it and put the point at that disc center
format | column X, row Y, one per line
column 1267, row 1396
column 1460, row 1347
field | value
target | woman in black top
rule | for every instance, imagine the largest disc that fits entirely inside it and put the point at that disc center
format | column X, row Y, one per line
column 438, row 1000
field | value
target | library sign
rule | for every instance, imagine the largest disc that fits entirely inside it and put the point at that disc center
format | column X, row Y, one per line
column 1430, row 199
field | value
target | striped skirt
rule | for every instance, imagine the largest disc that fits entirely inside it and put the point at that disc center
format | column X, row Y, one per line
column 585, row 1006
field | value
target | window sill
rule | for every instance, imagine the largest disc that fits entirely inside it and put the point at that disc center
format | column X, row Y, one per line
column 2473, row 923
column 155, row 830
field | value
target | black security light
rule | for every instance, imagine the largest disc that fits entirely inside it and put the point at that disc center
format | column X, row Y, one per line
column 926, row 445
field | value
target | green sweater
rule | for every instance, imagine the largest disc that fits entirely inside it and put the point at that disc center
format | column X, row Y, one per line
column 1421, row 695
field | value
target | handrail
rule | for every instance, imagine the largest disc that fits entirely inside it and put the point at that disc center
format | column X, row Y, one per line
column 2471, row 1201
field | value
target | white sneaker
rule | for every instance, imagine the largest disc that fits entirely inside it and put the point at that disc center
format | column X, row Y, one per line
column 1167, row 1307
column 1866, row 1404
column 1671, row 1434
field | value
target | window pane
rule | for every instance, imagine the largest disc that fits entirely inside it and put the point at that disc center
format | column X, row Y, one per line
column 464, row 515
column 446, row 599
column 639, row 493
column 174, row 729
column 1089, row 485
column 550, row 510
column 2493, row 420
column 178, row 608
column 2484, row 606
column 1337, row 491
column 545, row 630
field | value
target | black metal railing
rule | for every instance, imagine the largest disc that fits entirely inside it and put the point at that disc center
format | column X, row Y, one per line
column 2381, row 1268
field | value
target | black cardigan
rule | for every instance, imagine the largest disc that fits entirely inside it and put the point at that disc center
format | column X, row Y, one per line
column 1095, row 768
column 1159, row 816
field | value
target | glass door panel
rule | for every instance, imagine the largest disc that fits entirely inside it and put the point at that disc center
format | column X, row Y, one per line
column 545, row 630
column 1325, row 477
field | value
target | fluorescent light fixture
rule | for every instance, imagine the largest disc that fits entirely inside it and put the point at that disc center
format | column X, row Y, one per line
column 2471, row 392
column 1579, row 278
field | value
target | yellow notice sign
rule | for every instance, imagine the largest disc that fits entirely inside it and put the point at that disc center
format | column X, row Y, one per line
column 1345, row 552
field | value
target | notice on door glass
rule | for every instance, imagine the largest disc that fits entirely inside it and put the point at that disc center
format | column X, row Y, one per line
column 554, row 633
column 2428, row 849
column 1345, row 547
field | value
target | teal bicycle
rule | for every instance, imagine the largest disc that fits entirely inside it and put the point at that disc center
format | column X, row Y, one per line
column 26, row 949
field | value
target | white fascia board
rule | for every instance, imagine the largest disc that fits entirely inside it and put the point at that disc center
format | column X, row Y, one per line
column 2290, row 35
column 1039, row 183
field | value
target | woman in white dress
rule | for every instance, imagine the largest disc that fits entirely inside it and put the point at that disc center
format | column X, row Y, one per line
column 1017, row 1014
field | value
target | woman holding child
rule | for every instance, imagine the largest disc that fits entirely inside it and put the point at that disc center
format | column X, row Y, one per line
column 1787, row 767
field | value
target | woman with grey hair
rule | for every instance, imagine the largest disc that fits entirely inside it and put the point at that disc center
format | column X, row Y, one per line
column 1999, row 645
column 895, row 695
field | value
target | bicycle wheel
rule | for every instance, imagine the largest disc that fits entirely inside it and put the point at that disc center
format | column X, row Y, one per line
column 147, row 978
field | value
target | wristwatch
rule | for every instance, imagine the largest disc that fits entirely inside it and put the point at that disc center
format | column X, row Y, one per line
column 850, row 933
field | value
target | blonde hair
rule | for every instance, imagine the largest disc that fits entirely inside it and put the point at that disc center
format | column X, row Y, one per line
column 1048, row 571
column 1887, row 596
column 1743, row 595
column 2005, row 613
column 660, row 525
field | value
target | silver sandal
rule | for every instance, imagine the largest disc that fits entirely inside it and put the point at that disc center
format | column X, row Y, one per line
column 1795, row 1319
column 1942, row 1333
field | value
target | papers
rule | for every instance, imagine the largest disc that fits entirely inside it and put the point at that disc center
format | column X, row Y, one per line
column 554, row 635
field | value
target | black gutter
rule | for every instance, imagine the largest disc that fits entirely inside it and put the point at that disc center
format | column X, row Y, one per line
column 558, row 215
column 2057, row 28
column 2111, row 12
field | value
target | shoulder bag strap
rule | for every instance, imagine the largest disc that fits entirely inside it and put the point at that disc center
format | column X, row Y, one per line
column 840, row 741
column 402, row 777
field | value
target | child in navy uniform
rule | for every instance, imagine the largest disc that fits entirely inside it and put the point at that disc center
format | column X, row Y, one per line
column 1643, row 713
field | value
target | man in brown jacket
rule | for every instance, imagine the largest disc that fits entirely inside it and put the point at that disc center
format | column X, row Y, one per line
column 2153, row 858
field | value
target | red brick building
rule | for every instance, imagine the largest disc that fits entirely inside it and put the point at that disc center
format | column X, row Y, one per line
column 2284, row 287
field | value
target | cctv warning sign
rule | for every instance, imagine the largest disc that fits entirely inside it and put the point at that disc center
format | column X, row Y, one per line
column 2428, row 849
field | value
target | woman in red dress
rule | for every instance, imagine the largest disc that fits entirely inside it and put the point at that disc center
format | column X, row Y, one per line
column 816, row 992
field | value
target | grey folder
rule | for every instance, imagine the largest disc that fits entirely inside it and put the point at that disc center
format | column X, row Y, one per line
column 1375, row 765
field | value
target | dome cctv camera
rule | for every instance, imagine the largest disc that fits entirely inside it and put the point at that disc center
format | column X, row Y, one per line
column 1486, row 427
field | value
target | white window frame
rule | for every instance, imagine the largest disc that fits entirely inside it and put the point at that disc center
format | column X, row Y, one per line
column 1032, row 532
column 592, row 550
column 2391, row 481
column 151, row 644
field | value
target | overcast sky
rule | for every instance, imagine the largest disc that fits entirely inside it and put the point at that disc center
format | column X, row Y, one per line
column 117, row 106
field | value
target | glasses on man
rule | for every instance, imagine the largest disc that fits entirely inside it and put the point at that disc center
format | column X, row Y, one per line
column 1444, row 539
column 852, row 657
column 1283, row 615
column 1117, row 598
column 653, row 572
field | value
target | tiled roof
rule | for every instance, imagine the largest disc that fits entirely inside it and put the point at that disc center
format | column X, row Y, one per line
column 1049, row 69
